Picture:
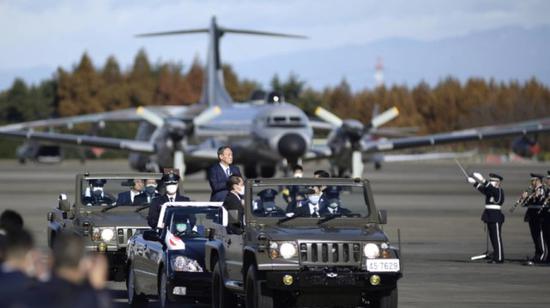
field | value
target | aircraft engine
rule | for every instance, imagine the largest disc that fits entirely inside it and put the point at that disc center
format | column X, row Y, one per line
column 525, row 147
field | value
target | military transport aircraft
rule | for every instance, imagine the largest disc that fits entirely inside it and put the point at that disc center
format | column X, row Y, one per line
column 264, row 134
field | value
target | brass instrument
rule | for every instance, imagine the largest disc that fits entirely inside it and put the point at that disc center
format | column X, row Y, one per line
column 523, row 200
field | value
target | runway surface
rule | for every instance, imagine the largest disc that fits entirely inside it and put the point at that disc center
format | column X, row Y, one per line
column 436, row 211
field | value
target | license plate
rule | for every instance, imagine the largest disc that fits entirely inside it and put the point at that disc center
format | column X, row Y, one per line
column 383, row 265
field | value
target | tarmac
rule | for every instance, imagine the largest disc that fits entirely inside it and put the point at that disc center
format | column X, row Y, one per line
column 432, row 207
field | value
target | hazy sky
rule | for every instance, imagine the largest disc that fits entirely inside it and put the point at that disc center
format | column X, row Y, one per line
column 48, row 33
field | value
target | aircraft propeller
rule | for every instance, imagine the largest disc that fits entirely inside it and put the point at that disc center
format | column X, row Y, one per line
column 352, row 131
column 178, row 129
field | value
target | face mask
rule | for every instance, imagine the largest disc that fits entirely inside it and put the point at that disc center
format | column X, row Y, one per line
column 171, row 189
column 333, row 205
column 314, row 198
column 150, row 189
column 97, row 191
column 181, row 227
column 494, row 183
column 298, row 175
column 241, row 191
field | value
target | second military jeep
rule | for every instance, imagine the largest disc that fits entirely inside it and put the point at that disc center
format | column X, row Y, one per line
column 95, row 215
column 324, row 248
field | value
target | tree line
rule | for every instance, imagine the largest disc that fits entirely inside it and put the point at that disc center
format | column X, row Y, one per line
column 448, row 105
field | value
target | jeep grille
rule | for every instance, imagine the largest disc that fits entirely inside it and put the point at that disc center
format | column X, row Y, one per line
column 124, row 233
column 322, row 253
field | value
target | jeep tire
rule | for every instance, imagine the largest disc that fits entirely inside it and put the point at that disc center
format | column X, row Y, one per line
column 386, row 299
column 221, row 297
column 256, row 295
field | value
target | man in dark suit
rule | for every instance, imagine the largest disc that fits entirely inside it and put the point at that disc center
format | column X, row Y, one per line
column 234, row 201
column 170, row 181
column 220, row 172
column 149, row 193
column 313, row 205
column 127, row 197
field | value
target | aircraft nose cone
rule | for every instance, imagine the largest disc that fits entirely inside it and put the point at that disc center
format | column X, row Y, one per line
column 292, row 146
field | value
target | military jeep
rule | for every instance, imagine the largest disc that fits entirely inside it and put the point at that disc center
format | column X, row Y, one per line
column 96, row 216
column 332, row 253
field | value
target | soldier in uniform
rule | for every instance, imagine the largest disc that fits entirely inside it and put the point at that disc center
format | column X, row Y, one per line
column 533, row 216
column 170, row 181
column 492, row 215
column 95, row 195
column 545, row 212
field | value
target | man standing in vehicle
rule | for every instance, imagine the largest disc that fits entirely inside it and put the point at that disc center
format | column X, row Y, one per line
column 219, row 173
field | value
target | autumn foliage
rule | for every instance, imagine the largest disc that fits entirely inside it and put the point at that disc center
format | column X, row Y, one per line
column 449, row 105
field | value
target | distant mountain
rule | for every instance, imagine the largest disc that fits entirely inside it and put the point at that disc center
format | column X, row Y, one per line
column 504, row 54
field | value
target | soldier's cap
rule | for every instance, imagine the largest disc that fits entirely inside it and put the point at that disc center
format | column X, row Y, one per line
column 170, row 178
column 495, row 177
column 267, row 194
column 536, row 176
column 97, row 182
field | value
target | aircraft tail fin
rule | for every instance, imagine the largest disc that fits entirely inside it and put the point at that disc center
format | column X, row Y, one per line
column 213, row 90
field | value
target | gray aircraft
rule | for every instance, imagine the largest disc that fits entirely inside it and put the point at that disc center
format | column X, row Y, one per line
column 264, row 133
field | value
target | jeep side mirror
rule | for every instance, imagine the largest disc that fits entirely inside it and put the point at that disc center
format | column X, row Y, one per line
column 383, row 217
column 151, row 235
column 63, row 203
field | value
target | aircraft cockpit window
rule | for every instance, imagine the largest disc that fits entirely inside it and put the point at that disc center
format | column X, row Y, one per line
column 282, row 121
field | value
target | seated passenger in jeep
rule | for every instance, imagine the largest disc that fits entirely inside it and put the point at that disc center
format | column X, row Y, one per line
column 95, row 195
column 265, row 205
column 313, row 205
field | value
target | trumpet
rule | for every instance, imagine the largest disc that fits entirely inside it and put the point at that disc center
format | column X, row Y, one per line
column 524, row 199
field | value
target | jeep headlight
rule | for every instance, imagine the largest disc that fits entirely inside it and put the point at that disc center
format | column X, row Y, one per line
column 107, row 234
column 184, row 264
column 287, row 250
column 371, row 251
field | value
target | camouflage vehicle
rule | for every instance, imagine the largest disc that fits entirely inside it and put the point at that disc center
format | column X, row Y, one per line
column 96, row 216
column 281, row 254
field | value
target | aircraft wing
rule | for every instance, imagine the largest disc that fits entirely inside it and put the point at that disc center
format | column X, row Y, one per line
column 84, row 140
column 129, row 114
column 473, row 134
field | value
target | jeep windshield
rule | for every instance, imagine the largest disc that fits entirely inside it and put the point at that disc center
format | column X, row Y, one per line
column 312, row 201
column 191, row 222
column 97, row 191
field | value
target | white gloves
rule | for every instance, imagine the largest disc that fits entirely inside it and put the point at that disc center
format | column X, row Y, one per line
column 479, row 177
column 471, row 180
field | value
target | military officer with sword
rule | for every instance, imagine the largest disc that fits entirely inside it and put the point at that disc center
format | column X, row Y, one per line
column 492, row 215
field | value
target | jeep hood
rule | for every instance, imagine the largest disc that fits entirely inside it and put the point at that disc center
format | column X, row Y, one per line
column 323, row 233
